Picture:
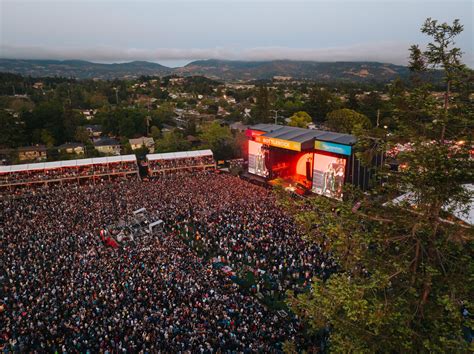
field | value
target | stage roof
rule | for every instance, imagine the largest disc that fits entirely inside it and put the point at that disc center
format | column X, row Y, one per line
column 303, row 136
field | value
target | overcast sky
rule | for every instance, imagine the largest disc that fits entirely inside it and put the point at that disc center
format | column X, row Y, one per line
column 176, row 32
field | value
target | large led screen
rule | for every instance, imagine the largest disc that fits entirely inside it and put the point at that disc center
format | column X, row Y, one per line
column 257, row 159
column 328, row 175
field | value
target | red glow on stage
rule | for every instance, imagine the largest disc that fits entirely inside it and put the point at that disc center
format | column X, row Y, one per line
column 301, row 164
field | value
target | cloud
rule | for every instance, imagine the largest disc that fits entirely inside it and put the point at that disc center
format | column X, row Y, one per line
column 388, row 52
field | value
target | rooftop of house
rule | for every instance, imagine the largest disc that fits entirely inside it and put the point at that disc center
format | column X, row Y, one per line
column 70, row 145
column 142, row 140
column 106, row 142
column 32, row 148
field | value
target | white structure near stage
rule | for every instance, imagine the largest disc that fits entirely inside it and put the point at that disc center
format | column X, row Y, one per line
column 465, row 214
column 68, row 170
column 180, row 161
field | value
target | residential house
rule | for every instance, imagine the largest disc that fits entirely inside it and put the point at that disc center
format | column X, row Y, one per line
column 222, row 112
column 176, row 80
column 32, row 153
column 95, row 130
column 72, row 148
column 89, row 113
column 141, row 142
column 107, row 146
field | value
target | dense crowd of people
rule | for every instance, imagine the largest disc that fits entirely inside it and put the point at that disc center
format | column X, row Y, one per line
column 63, row 290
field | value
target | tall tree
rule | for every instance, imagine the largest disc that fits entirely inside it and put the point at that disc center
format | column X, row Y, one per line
column 320, row 103
column 300, row 119
column 403, row 282
column 219, row 139
column 347, row 121
column 441, row 53
column 261, row 113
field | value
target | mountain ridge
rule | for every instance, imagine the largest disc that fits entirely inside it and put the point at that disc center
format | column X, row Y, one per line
column 226, row 70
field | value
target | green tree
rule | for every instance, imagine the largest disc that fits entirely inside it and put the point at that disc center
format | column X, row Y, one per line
column 81, row 135
column 47, row 138
column 320, row 103
column 300, row 119
column 261, row 113
column 155, row 132
column 404, row 269
column 172, row 141
column 219, row 139
column 441, row 53
column 347, row 121
column 48, row 116
column 11, row 131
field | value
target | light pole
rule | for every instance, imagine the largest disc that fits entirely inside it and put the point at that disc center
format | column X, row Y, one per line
column 276, row 115
column 116, row 95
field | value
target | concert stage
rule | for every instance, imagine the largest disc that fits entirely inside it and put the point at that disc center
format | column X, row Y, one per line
column 301, row 159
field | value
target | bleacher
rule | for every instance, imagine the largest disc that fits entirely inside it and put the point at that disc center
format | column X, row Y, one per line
column 182, row 161
column 68, row 170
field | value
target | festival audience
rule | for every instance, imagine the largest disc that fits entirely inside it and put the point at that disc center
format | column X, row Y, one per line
column 63, row 290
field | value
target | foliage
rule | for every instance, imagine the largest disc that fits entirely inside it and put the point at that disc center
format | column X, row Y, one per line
column 219, row 139
column 126, row 122
column 320, row 103
column 300, row 119
column 261, row 113
column 347, row 121
column 404, row 270
column 11, row 131
column 172, row 141
column 81, row 135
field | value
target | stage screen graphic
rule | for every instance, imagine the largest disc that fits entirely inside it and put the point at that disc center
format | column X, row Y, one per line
column 328, row 175
column 257, row 159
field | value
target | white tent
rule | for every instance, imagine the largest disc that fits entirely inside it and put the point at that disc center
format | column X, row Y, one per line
column 467, row 217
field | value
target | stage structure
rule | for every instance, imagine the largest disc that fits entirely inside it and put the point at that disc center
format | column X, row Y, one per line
column 68, row 171
column 304, row 159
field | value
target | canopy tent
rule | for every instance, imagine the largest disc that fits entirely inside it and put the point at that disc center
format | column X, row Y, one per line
column 465, row 214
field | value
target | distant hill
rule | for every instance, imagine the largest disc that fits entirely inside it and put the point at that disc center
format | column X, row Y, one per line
column 215, row 69
column 82, row 69
column 321, row 71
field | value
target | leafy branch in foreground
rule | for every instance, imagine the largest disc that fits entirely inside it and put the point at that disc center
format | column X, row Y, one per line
column 405, row 270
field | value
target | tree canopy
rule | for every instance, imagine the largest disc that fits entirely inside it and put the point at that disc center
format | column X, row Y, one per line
column 347, row 121
column 300, row 119
column 403, row 283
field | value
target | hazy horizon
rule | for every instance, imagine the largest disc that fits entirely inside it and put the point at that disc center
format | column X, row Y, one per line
column 174, row 33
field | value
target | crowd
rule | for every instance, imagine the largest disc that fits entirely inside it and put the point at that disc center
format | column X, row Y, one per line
column 63, row 290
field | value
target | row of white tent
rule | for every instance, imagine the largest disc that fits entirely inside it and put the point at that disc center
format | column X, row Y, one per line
column 67, row 163
column 179, row 155
column 465, row 213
